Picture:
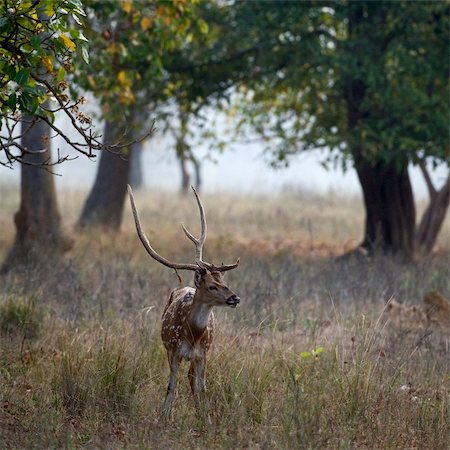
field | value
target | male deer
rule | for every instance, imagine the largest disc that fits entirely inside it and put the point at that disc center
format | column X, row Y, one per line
column 188, row 321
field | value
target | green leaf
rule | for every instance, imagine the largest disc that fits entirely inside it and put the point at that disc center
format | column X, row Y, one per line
column 4, row 22
column 85, row 54
column 11, row 72
column 61, row 74
column 77, row 20
column 82, row 37
column 12, row 99
column 28, row 103
column 22, row 77
column 77, row 34
column 35, row 42
column 305, row 354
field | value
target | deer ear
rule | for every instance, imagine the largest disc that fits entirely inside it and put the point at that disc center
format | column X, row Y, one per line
column 198, row 277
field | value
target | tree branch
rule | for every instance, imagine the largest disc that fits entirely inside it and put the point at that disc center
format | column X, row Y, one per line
column 431, row 189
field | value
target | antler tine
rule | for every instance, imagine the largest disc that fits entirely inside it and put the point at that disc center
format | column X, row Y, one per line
column 224, row 268
column 201, row 240
column 145, row 242
column 213, row 268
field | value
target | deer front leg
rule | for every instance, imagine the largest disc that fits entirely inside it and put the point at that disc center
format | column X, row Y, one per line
column 192, row 375
column 174, row 362
column 198, row 386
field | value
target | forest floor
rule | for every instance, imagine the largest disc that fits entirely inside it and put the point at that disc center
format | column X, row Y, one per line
column 309, row 359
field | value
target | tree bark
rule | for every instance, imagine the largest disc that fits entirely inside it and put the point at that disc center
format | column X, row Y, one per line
column 390, row 210
column 38, row 222
column 136, row 173
column 185, row 176
column 198, row 174
column 104, row 205
column 433, row 217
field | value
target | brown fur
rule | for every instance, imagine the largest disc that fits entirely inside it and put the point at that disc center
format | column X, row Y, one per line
column 176, row 314
column 188, row 329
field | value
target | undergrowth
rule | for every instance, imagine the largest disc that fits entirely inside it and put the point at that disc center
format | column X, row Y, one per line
column 307, row 360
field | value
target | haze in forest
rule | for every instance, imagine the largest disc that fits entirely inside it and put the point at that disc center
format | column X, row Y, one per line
column 240, row 168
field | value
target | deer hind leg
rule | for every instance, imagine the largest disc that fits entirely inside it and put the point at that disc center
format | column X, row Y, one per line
column 174, row 362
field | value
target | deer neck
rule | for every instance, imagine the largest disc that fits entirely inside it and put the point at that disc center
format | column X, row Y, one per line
column 198, row 317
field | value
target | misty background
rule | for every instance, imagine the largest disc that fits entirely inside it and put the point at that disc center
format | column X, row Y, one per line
column 240, row 168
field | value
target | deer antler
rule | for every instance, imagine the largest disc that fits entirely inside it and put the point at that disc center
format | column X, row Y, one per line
column 198, row 242
column 201, row 240
column 213, row 268
column 145, row 242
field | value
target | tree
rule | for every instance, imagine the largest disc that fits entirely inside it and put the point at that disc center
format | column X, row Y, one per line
column 180, row 131
column 127, row 76
column 38, row 222
column 366, row 80
column 434, row 215
column 37, row 42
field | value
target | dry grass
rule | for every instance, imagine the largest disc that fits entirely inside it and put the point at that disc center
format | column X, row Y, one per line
column 92, row 372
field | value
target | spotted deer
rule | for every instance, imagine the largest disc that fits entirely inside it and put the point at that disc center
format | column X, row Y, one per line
column 188, row 320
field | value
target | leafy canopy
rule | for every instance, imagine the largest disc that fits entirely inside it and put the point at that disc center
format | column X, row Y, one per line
column 128, row 40
column 38, row 40
column 366, row 80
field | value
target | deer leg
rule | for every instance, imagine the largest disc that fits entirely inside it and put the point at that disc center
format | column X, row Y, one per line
column 192, row 376
column 200, row 389
column 174, row 362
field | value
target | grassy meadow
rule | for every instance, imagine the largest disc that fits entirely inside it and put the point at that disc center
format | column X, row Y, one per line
column 307, row 360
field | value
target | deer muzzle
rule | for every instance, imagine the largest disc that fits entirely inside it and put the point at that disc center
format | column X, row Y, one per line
column 233, row 301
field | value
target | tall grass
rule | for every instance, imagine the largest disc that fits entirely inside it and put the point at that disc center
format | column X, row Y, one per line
column 307, row 360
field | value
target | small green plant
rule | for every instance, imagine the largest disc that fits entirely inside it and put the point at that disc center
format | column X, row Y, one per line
column 312, row 354
column 20, row 316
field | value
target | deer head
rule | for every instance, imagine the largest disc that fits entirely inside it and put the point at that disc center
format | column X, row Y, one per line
column 212, row 289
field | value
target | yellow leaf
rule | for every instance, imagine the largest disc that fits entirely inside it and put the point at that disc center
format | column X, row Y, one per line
column 127, row 6
column 47, row 63
column 203, row 26
column 123, row 79
column 49, row 10
column 126, row 97
column 145, row 23
column 67, row 42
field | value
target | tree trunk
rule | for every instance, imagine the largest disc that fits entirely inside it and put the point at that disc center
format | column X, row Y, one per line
column 185, row 176
column 390, row 210
column 197, row 171
column 433, row 217
column 38, row 222
column 104, row 205
column 136, row 176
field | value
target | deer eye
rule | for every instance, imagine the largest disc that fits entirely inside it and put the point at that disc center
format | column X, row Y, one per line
column 212, row 288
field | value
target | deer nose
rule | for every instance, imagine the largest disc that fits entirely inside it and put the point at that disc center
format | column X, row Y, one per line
column 233, row 300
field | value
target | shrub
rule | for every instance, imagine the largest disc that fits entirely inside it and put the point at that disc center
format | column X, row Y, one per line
column 20, row 316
